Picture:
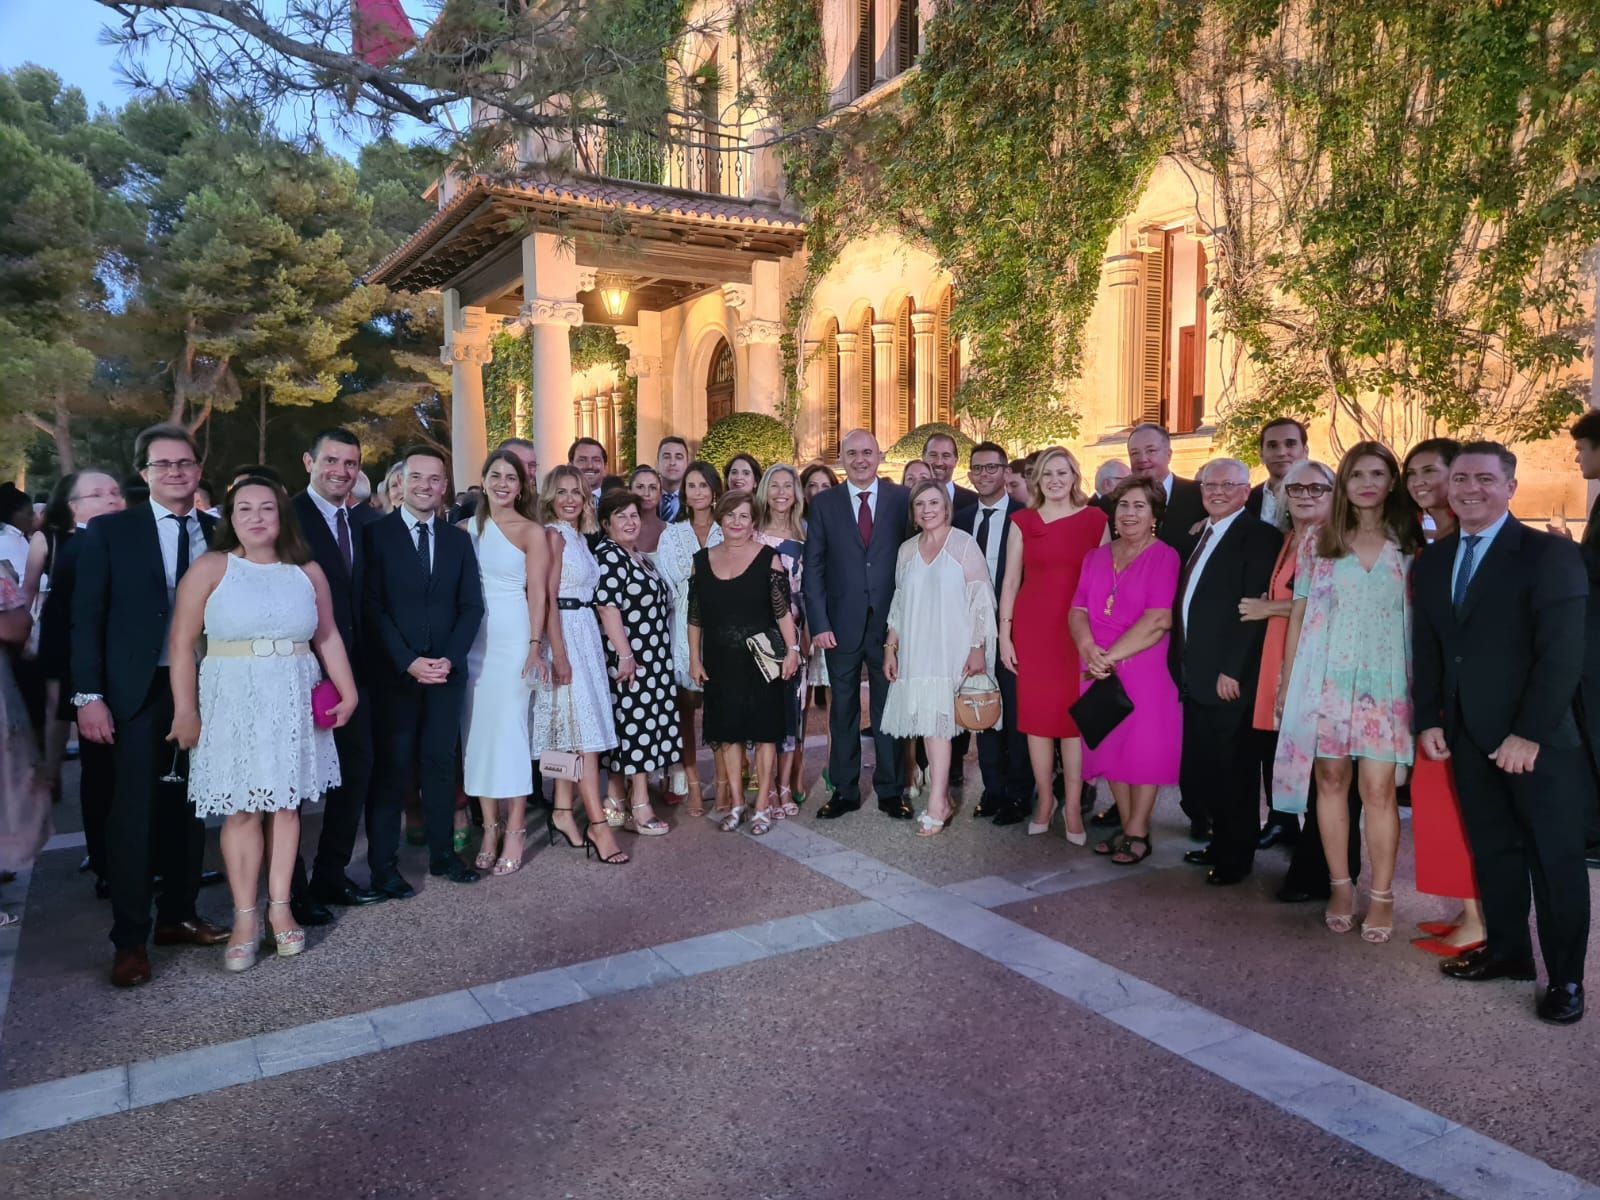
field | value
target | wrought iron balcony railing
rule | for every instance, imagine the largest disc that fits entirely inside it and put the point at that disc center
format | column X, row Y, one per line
column 695, row 159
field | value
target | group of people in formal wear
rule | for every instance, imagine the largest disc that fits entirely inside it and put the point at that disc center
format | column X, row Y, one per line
column 1332, row 641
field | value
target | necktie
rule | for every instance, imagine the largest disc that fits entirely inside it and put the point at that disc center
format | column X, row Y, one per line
column 1469, row 546
column 669, row 505
column 345, row 552
column 422, row 548
column 183, row 547
column 983, row 531
column 864, row 519
column 1199, row 548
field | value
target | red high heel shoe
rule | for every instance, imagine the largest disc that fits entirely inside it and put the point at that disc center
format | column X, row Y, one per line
column 1434, row 945
column 1435, row 928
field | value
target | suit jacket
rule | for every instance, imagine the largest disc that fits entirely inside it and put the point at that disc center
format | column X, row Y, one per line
column 962, row 498
column 1252, row 504
column 1511, row 660
column 1214, row 640
column 1589, row 688
column 344, row 585
column 967, row 521
column 844, row 584
column 411, row 615
column 1184, row 511
column 120, row 576
column 55, row 619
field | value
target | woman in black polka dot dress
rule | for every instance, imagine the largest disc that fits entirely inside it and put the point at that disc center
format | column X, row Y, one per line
column 635, row 611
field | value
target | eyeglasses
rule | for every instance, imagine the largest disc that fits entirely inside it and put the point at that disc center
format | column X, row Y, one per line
column 1302, row 490
column 113, row 494
column 178, row 466
column 1222, row 485
column 985, row 468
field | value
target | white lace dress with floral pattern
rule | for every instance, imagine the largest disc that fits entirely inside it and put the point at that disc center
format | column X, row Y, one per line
column 259, row 749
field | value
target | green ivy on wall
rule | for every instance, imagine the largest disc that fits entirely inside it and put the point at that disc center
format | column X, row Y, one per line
column 596, row 345
column 510, row 369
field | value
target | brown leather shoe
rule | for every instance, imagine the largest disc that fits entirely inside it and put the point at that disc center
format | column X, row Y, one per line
column 130, row 968
column 193, row 932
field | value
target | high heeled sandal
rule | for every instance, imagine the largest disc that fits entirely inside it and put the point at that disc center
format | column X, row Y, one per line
column 1125, row 855
column 654, row 827
column 292, row 941
column 487, row 847
column 1339, row 922
column 615, row 813
column 730, row 819
column 510, row 866
column 1379, row 934
column 615, row 859
column 551, row 828
column 241, row 956
column 697, row 803
column 933, row 826
column 761, row 823
column 786, row 804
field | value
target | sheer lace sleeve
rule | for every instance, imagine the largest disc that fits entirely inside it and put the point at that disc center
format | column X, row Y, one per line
column 902, row 565
column 694, row 592
column 979, row 596
column 779, row 589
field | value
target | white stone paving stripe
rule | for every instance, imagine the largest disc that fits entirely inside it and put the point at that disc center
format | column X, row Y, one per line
column 11, row 937
column 1422, row 1143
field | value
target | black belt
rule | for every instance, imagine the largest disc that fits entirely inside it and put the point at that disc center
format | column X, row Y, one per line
column 570, row 602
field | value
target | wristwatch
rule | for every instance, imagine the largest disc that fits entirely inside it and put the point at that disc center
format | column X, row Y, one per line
column 80, row 699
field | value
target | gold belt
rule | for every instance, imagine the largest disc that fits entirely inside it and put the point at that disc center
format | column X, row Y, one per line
column 258, row 648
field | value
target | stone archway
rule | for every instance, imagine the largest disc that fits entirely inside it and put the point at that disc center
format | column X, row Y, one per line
column 721, row 378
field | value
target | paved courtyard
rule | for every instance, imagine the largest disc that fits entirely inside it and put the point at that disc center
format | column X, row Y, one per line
column 839, row 1009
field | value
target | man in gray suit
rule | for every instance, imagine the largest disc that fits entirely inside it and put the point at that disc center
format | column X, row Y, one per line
column 853, row 536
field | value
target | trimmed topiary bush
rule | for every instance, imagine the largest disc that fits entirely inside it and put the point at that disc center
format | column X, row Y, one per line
column 910, row 446
column 765, row 437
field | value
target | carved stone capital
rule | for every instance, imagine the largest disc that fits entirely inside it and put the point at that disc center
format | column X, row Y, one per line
column 587, row 278
column 846, row 342
column 1122, row 270
column 643, row 366
column 882, row 333
column 539, row 311
column 737, row 295
column 758, row 332
column 461, row 350
column 923, row 323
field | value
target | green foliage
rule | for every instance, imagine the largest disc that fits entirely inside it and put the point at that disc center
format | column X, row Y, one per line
column 592, row 345
column 910, row 446
column 748, row 433
column 509, row 371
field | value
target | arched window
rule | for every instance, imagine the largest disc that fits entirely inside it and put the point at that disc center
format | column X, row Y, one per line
column 864, row 358
column 905, row 384
column 866, row 56
column 720, row 383
column 828, row 349
column 948, row 351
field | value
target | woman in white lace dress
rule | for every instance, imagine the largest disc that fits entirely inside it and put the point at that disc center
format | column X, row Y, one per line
column 941, row 629
column 573, row 714
column 264, row 609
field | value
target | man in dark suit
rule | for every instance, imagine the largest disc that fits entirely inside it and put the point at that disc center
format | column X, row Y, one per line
column 1003, row 752
column 943, row 456
column 128, row 568
column 1586, row 436
column 1281, row 443
column 1150, row 456
column 1216, row 658
column 1497, row 645
column 853, row 535
column 333, row 530
column 424, row 602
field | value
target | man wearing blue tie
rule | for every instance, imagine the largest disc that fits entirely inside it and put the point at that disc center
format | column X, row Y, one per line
column 672, row 460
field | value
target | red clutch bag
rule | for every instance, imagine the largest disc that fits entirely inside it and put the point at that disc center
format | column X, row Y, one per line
column 324, row 699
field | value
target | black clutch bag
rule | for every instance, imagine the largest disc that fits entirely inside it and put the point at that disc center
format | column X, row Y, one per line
column 1100, row 710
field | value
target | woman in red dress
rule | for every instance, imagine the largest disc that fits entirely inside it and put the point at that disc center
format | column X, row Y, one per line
column 1444, row 862
column 1045, row 549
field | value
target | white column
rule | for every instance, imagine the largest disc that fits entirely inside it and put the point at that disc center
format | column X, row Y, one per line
column 922, row 326
column 586, row 422
column 644, row 366
column 609, row 402
column 760, row 334
column 550, row 308
column 1122, row 277
column 808, row 428
column 883, row 380
column 849, row 382
column 466, row 349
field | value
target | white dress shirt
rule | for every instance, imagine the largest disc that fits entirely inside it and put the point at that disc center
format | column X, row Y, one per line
column 1270, row 505
column 330, row 513
column 167, row 536
column 997, row 533
column 871, row 493
column 411, row 532
column 1218, row 529
column 1479, row 549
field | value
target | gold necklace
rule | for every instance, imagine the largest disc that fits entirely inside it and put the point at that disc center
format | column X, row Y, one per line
column 1116, row 577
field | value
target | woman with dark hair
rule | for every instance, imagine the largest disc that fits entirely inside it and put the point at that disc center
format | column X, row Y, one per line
column 264, row 608
column 691, row 531
column 644, row 481
column 1345, row 690
column 743, row 473
column 1426, row 471
column 505, row 661
column 17, row 524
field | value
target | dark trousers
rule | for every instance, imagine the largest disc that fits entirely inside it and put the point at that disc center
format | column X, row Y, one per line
column 97, row 782
column 1218, row 778
column 1003, row 752
column 1591, row 759
column 151, row 829
column 1528, row 829
column 1308, row 865
column 419, row 725
column 844, row 722
column 341, row 816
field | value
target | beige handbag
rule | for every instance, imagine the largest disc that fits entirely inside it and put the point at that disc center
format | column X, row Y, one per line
column 561, row 764
column 978, row 703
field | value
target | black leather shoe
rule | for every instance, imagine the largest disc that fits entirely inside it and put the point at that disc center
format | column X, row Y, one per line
column 102, row 889
column 1277, row 835
column 1107, row 817
column 898, row 808
column 1478, row 965
column 836, row 807
column 1562, row 1003
column 1200, row 858
column 454, row 870
column 347, row 895
column 1199, row 831
column 211, row 878
column 395, row 888
column 988, row 806
column 1012, row 814
column 310, row 912
column 1294, row 895
column 1226, row 876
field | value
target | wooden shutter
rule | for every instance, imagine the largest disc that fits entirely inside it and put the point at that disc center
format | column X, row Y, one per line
column 905, row 365
column 864, row 365
column 948, row 361
column 830, row 392
column 866, row 40
column 1153, row 319
column 1196, row 399
column 905, row 36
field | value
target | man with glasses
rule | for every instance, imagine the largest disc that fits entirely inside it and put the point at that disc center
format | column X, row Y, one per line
column 1150, row 457
column 1216, row 658
column 128, row 570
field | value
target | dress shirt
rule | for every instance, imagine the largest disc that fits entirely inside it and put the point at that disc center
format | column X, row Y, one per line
column 950, row 491
column 1166, row 487
column 411, row 532
column 167, row 535
column 1218, row 529
column 1479, row 549
column 330, row 514
column 1271, row 506
column 997, row 533
column 855, row 502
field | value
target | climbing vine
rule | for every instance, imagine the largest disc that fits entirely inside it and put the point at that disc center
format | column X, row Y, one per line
column 509, row 371
column 596, row 345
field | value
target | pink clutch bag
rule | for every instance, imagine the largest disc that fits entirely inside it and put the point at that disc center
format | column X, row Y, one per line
column 324, row 699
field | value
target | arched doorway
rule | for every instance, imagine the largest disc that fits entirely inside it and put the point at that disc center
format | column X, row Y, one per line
column 719, row 383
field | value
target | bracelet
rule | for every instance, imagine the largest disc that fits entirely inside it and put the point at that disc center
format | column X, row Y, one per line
column 622, row 658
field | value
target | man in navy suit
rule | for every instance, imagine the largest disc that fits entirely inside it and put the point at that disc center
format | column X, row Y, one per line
column 333, row 530
column 1003, row 752
column 424, row 603
column 129, row 566
column 853, row 536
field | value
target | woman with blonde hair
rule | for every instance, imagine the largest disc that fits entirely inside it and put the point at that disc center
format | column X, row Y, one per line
column 782, row 528
column 1045, row 548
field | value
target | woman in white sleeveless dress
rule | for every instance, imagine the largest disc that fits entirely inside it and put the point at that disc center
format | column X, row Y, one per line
column 264, row 609
column 505, row 662
column 573, row 715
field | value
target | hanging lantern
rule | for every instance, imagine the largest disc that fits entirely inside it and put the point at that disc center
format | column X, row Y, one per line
column 614, row 295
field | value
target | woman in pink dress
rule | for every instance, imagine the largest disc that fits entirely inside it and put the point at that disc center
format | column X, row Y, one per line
column 1045, row 549
column 1120, row 620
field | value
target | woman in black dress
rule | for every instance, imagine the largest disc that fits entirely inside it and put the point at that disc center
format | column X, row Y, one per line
column 740, row 589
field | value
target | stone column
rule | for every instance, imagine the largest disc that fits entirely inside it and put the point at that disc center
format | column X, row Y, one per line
column 1122, row 277
column 883, row 380
column 466, row 350
column 586, row 421
column 550, row 309
column 849, row 383
column 760, row 339
column 922, row 327
column 644, row 367
column 607, row 435
column 808, row 430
